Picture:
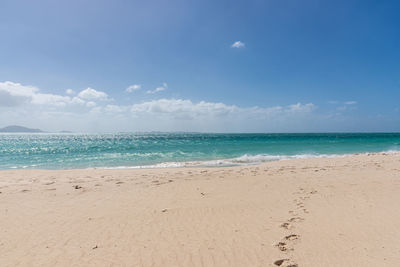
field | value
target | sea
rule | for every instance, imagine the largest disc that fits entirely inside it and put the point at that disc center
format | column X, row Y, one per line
column 161, row 150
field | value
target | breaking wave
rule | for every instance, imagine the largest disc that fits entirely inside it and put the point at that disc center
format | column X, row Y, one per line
column 239, row 161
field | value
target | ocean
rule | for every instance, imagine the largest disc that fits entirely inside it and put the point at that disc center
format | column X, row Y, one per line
column 157, row 150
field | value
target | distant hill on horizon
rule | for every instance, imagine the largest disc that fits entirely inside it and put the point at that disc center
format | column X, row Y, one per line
column 19, row 129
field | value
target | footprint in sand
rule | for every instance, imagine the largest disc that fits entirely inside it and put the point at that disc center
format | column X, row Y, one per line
column 292, row 237
column 286, row 225
column 287, row 262
column 296, row 219
column 282, row 246
column 280, row 262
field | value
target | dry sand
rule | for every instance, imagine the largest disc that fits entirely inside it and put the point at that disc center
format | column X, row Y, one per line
column 307, row 212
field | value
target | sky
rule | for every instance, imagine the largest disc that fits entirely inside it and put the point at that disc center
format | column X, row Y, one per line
column 204, row 66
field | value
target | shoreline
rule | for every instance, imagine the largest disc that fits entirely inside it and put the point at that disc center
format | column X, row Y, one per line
column 301, row 212
column 222, row 163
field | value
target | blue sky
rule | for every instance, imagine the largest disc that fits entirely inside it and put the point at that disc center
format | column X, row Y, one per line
column 303, row 66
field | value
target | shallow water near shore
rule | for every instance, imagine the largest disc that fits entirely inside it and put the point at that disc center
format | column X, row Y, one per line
column 157, row 150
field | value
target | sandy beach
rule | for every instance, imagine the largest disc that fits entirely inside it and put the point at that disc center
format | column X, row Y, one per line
column 339, row 211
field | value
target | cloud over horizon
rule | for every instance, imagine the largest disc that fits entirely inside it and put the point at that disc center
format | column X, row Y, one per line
column 90, row 94
column 90, row 110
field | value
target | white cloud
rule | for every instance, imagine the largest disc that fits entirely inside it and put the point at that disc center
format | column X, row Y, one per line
column 91, row 104
column 133, row 87
column 344, row 106
column 347, row 106
column 181, row 108
column 96, row 111
column 178, row 107
column 14, row 94
column 91, row 94
column 158, row 89
column 17, row 89
column 238, row 44
column 50, row 99
column 70, row 92
column 186, row 115
column 301, row 108
column 342, row 103
column 115, row 108
column 77, row 100
column 29, row 106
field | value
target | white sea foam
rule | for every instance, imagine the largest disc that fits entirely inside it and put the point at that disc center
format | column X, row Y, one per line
column 239, row 161
column 246, row 160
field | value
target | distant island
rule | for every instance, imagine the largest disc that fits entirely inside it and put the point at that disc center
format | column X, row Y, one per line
column 19, row 129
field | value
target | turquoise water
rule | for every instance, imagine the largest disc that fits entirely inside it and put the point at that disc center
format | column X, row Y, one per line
column 70, row 151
